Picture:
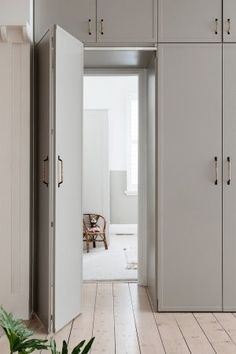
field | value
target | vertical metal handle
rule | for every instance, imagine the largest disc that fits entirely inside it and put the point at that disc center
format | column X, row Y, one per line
column 45, row 175
column 89, row 27
column 216, row 25
column 229, row 170
column 229, row 26
column 102, row 26
column 60, row 172
column 216, row 170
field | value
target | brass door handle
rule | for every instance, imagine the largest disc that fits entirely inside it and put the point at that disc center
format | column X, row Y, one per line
column 229, row 170
column 45, row 171
column 229, row 26
column 216, row 25
column 89, row 27
column 60, row 172
column 102, row 26
column 216, row 170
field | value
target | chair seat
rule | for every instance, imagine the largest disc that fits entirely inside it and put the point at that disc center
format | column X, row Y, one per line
column 94, row 229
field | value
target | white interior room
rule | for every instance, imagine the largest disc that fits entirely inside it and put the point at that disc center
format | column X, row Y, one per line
column 110, row 173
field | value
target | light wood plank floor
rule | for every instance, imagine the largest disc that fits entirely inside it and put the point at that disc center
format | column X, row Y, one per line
column 119, row 315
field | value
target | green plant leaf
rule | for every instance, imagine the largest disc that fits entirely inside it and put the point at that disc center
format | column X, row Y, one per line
column 76, row 350
column 88, row 346
column 18, row 335
column 64, row 347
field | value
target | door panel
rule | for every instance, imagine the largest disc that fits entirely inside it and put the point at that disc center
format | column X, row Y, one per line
column 126, row 21
column 151, row 184
column 72, row 15
column 189, row 21
column 44, row 230
column 229, row 21
column 229, row 190
column 68, row 177
column 59, row 248
column 15, row 178
column 189, row 202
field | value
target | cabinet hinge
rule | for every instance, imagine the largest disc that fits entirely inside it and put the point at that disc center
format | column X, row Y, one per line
column 52, row 223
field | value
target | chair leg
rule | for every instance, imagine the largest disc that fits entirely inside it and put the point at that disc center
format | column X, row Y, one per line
column 105, row 242
column 87, row 243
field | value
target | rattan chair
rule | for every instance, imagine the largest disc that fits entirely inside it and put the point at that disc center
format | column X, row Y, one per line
column 94, row 231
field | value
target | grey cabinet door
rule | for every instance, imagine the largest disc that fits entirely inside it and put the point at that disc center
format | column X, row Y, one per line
column 229, row 182
column 189, row 201
column 229, row 21
column 151, row 183
column 126, row 21
column 189, row 21
column 78, row 17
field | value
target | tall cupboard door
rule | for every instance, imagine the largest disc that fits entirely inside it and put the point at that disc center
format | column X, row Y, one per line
column 189, row 183
column 59, row 258
column 229, row 21
column 229, row 190
column 126, row 21
column 151, row 183
column 189, row 21
column 78, row 17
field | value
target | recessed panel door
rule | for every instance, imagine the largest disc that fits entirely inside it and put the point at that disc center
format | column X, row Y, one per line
column 189, row 179
column 229, row 21
column 229, row 182
column 189, row 21
column 78, row 17
column 126, row 21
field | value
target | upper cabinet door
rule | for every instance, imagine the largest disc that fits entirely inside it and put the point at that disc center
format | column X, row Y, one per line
column 189, row 20
column 229, row 21
column 126, row 21
column 78, row 17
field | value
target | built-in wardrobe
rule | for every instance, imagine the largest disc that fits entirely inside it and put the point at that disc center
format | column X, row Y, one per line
column 196, row 152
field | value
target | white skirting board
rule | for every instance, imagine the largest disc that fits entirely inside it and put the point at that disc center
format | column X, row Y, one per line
column 125, row 229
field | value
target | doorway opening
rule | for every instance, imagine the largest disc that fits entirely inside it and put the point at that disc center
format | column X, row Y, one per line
column 110, row 175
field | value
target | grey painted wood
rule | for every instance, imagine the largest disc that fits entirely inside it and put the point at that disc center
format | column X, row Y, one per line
column 229, row 191
column 68, row 233
column 126, row 21
column 42, row 246
column 72, row 15
column 189, row 202
column 229, row 21
column 151, row 183
column 189, row 20
column 59, row 248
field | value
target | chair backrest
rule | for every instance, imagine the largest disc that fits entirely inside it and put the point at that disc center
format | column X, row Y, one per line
column 100, row 221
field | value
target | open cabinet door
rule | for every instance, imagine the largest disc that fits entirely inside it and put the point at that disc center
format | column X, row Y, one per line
column 60, row 107
column 151, row 182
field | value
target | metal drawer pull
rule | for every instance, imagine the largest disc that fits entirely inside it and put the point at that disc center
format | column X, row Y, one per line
column 60, row 172
column 102, row 29
column 216, row 26
column 216, row 170
column 229, row 25
column 229, row 170
column 45, row 175
column 89, row 27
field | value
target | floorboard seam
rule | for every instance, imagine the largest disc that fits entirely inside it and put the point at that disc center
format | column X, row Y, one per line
column 149, row 301
column 204, row 333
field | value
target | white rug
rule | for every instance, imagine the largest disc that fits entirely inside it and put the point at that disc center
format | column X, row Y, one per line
column 119, row 262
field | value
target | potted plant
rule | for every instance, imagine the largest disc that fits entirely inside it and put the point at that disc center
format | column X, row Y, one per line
column 21, row 341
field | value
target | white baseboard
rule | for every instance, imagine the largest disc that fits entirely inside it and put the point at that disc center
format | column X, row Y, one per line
column 123, row 229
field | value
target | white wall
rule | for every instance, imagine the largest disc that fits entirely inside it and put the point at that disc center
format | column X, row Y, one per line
column 113, row 93
column 109, row 92
column 16, row 12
